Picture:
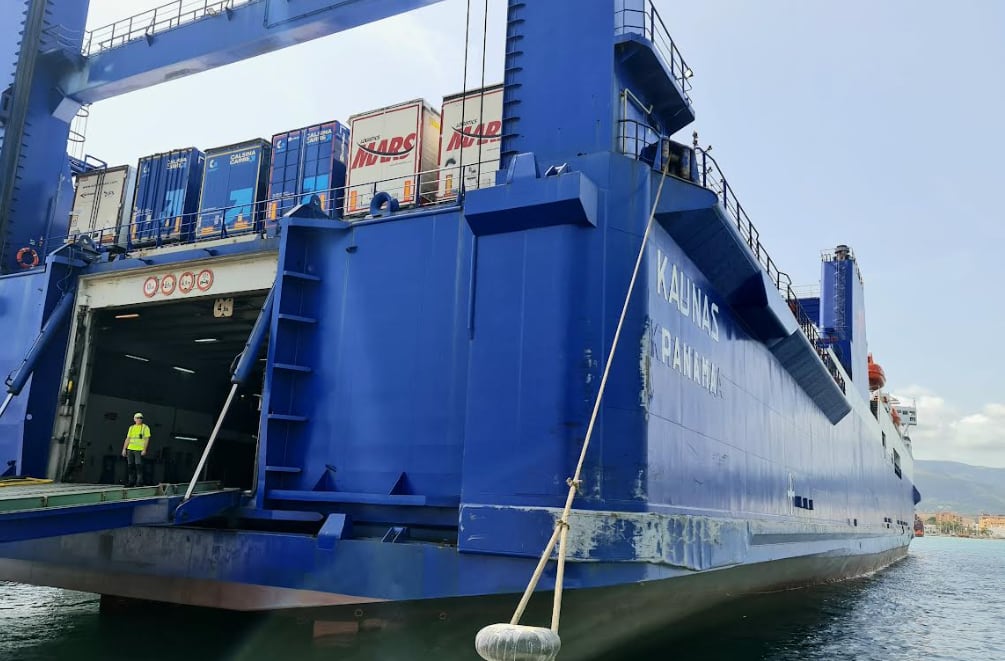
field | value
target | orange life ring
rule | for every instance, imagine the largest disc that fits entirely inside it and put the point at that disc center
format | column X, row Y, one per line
column 32, row 258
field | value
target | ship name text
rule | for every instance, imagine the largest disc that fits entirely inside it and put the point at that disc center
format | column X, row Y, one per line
column 683, row 293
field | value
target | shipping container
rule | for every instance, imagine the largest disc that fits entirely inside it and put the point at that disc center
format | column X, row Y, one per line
column 167, row 196
column 103, row 205
column 284, row 175
column 305, row 162
column 471, row 139
column 234, row 184
column 393, row 150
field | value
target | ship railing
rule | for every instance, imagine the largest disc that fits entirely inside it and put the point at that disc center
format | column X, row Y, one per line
column 640, row 17
column 642, row 142
column 712, row 178
column 432, row 188
column 154, row 21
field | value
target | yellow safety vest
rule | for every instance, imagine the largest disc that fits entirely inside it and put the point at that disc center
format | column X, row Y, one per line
column 138, row 437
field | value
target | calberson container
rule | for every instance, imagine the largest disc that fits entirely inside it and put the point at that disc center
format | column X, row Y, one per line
column 233, row 185
column 103, row 205
column 471, row 138
column 167, row 196
column 392, row 150
column 305, row 162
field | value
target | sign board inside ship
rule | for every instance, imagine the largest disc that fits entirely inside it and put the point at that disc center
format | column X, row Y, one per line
column 220, row 278
column 683, row 297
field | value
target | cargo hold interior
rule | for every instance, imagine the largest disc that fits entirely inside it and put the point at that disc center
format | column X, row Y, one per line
column 172, row 362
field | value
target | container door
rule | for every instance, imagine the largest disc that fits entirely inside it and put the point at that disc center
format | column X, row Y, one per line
column 284, row 175
column 148, row 193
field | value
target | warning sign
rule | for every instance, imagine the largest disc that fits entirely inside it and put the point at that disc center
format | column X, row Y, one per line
column 150, row 286
column 168, row 283
column 205, row 280
column 185, row 283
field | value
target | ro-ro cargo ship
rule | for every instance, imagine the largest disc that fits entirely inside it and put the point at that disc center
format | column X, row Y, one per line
column 420, row 342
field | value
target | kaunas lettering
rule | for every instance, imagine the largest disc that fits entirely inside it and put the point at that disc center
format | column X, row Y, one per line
column 684, row 295
column 682, row 292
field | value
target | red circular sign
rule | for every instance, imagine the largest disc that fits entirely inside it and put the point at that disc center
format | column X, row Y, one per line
column 168, row 283
column 186, row 282
column 151, row 286
column 204, row 280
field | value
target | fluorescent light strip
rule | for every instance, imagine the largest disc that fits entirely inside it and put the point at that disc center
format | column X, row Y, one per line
column 185, row 438
column 139, row 358
column 183, row 369
column 132, row 315
column 207, row 340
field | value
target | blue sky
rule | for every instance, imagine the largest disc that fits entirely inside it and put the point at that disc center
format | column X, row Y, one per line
column 876, row 124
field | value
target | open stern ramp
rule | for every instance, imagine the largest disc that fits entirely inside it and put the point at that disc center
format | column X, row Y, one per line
column 33, row 509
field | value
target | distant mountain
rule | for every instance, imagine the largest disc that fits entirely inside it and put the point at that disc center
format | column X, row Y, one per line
column 961, row 488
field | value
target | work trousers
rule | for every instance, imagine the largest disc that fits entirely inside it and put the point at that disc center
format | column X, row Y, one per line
column 134, row 468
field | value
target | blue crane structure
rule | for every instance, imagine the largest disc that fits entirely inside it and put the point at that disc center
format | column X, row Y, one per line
column 430, row 371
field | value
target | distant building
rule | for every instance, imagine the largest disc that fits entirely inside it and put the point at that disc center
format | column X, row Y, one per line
column 948, row 517
column 993, row 524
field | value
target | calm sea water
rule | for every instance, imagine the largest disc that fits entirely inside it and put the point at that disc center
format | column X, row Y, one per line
column 945, row 601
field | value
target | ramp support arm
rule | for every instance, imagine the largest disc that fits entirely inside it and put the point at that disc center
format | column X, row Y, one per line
column 250, row 353
column 239, row 376
column 17, row 379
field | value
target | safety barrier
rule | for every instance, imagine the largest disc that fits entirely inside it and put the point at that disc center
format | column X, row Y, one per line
column 644, row 20
column 640, row 141
column 154, row 21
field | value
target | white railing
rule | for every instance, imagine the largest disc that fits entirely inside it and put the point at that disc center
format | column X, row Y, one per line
column 154, row 21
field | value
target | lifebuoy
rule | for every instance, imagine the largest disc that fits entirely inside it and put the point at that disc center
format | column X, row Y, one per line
column 27, row 257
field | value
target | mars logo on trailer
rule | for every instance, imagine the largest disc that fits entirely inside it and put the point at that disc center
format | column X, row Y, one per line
column 482, row 133
column 370, row 151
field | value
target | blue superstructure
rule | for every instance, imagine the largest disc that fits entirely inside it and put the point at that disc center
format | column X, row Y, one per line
column 429, row 373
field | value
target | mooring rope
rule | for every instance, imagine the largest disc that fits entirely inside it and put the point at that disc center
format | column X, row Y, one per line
column 561, row 531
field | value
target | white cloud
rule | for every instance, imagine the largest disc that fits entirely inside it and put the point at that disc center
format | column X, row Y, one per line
column 947, row 433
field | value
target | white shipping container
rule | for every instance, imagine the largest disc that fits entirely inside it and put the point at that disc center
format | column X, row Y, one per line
column 102, row 205
column 471, row 138
column 392, row 150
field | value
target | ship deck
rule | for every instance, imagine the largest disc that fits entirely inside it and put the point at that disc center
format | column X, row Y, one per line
column 32, row 508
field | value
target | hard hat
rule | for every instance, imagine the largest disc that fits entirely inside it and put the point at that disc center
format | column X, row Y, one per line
column 138, row 415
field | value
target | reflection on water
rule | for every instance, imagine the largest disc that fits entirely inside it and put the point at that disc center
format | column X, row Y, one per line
column 943, row 602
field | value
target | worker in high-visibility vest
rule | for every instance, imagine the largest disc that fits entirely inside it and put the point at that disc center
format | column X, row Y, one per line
column 134, row 449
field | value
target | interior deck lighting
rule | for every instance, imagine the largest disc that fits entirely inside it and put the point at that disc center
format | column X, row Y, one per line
column 207, row 340
column 183, row 369
column 131, row 315
column 139, row 358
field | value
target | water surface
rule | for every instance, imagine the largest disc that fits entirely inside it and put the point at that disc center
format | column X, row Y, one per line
column 945, row 601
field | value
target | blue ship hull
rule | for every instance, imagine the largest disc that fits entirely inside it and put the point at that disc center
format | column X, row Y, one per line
column 430, row 375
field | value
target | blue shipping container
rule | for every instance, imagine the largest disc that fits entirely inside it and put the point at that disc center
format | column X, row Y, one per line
column 233, row 185
column 167, row 197
column 285, row 175
column 314, row 163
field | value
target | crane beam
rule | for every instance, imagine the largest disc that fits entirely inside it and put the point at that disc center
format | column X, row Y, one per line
column 147, row 55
